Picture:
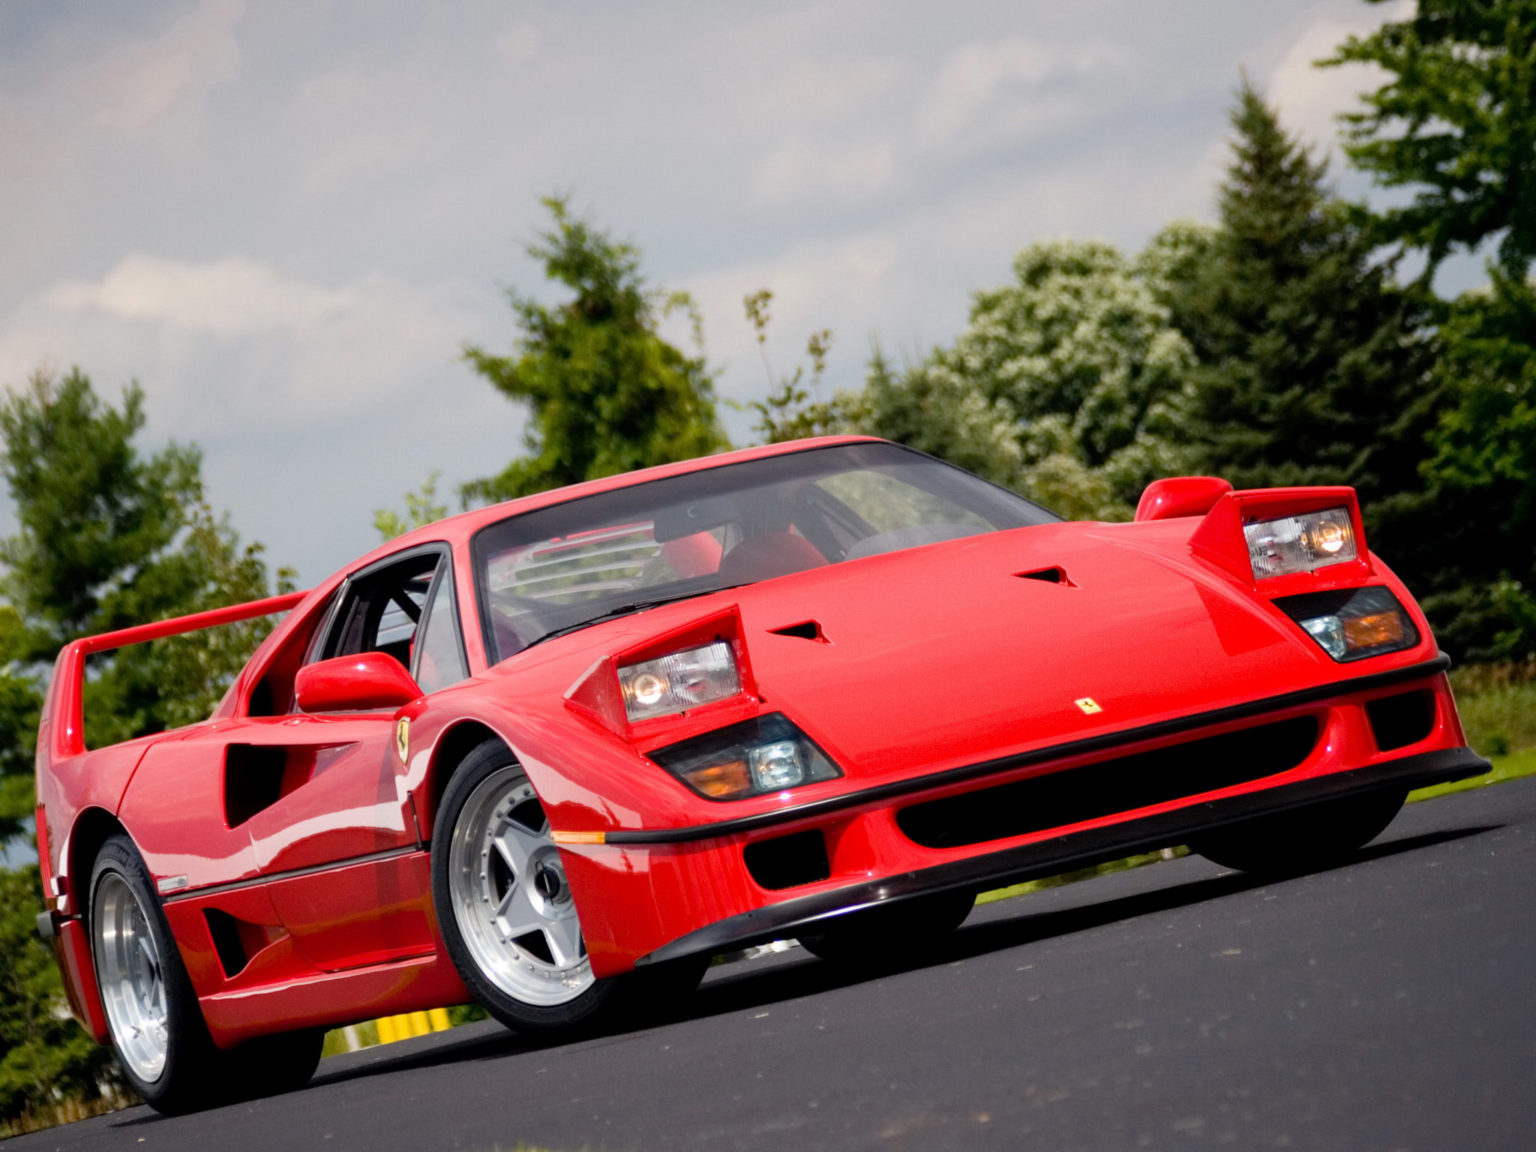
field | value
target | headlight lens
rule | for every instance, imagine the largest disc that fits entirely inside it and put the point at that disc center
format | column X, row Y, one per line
column 1300, row 543
column 680, row 681
column 1354, row 623
column 766, row 754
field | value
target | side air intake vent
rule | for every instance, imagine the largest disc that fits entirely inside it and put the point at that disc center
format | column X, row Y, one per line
column 253, row 780
column 236, row 940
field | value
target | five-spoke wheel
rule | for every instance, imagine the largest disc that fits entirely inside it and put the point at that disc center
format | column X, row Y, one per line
column 510, row 898
column 505, row 908
column 156, row 1025
column 132, row 982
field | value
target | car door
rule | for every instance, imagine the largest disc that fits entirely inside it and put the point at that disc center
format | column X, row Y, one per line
column 337, row 841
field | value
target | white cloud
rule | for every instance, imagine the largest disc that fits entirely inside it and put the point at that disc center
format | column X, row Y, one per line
column 1309, row 98
column 233, row 340
column 792, row 88
column 140, row 85
column 226, row 297
column 800, row 170
column 1013, row 86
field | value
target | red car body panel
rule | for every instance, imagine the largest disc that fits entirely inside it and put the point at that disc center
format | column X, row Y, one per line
column 300, row 844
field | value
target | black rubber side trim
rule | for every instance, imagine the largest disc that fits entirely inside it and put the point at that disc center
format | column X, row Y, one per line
column 1064, row 853
column 274, row 877
column 1102, row 743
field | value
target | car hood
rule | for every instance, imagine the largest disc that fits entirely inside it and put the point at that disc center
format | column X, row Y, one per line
column 958, row 652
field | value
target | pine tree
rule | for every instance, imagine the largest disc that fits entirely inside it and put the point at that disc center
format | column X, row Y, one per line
column 605, row 393
column 1314, row 367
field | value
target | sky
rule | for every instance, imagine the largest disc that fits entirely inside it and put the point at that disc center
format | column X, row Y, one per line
column 285, row 219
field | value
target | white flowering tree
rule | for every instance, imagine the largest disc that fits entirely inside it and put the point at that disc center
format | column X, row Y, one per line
column 1068, row 383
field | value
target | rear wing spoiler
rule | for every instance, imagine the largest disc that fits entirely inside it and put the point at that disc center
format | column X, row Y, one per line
column 61, row 730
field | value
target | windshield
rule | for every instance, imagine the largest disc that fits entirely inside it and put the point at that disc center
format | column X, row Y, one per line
column 571, row 564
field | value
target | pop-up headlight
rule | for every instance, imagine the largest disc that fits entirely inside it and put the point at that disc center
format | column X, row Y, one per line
column 1301, row 543
column 765, row 754
column 679, row 681
column 1354, row 623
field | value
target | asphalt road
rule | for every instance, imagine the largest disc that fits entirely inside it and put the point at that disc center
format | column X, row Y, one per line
column 1389, row 1004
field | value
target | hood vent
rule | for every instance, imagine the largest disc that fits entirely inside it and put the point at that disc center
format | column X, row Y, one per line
column 805, row 630
column 1049, row 575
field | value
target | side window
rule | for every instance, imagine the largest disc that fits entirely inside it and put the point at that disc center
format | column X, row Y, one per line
column 439, row 650
column 382, row 610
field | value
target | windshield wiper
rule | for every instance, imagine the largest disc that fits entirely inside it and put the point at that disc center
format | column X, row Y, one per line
column 628, row 608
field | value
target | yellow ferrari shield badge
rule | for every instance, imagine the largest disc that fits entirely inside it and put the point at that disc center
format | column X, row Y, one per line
column 403, row 740
column 1088, row 704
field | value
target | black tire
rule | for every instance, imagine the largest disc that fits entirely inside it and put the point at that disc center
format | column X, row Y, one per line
column 134, row 951
column 156, row 1026
column 272, row 1065
column 1303, row 839
column 890, row 934
column 528, row 969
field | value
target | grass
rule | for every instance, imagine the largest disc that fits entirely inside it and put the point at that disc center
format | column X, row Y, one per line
column 1510, row 767
column 1497, row 703
column 64, row 1112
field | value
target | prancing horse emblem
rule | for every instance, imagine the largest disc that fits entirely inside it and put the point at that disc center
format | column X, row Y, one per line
column 1088, row 704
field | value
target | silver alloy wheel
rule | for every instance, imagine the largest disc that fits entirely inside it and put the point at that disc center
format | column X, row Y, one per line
column 510, row 898
column 132, row 982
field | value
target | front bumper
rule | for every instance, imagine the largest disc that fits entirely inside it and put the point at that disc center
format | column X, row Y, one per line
column 649, row 895
column 1064, row 853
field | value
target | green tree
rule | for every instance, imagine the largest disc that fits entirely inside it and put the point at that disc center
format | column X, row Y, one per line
column 1067, row 383
column 929, row 407
column 108, row 537
column 1456, row 123
column 794, row 408
column 1314, row 368
column 20, row 705
column 605, row 393
column 46, row 1059
column 1482, row 476
column 421, row 509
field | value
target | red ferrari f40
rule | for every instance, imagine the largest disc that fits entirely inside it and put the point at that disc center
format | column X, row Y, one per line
column 547, row 754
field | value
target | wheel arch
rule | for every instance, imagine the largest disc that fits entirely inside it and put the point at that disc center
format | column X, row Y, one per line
column 452, row 747
column 93, row 828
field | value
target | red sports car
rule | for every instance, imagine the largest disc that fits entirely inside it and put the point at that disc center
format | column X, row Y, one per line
column 549, row 754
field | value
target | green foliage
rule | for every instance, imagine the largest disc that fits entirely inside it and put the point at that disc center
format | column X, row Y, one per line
column 1068, row 383
column 605, row 393
column 421, row 509
column 108, row 537
column 789, row 412
column 1456, row 122
column 930, row 408
column 1481, row 591
column 95, row 519
column 1314, row 368
column 45, row 1057
column 1497, row 703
